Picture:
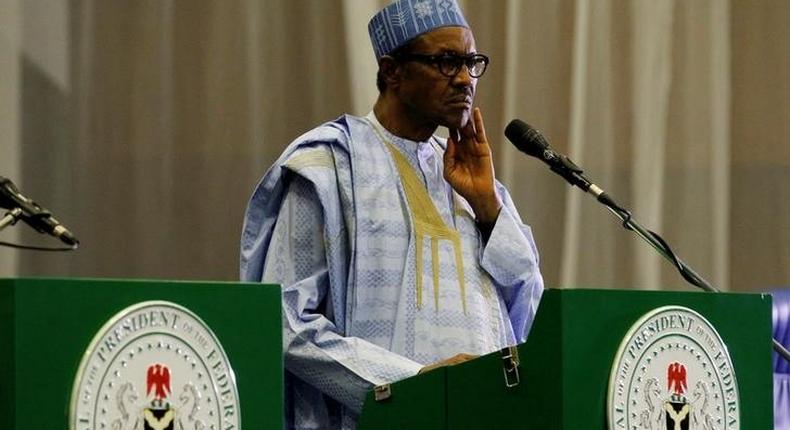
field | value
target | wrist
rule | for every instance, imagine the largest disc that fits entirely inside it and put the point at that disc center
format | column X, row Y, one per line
column 485, row 221
column 487, row 213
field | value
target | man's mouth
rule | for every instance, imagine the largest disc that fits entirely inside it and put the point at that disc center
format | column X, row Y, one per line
column 461, row 101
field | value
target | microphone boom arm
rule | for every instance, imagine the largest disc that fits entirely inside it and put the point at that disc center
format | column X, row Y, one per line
column 530, row 141
column 658, row 243
column 10, row 218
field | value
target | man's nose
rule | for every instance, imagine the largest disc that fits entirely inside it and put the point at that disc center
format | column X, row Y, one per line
column 463, row 77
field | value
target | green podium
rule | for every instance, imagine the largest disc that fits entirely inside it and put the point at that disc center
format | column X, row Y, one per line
column 566, row 365
column 88, row 346
column 218, row 344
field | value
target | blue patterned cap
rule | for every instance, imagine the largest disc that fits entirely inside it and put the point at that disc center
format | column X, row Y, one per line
column 404, row 20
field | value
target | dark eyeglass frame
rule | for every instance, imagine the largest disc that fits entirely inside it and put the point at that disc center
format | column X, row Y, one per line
column 448, row 64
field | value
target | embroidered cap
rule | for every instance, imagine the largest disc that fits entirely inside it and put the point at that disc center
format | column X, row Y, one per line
column 403, row 20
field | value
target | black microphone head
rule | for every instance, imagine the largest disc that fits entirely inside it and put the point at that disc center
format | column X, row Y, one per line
column 526, row 138
column 7, row 189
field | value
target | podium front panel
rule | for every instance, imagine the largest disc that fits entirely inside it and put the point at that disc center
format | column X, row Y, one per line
column 47, row 325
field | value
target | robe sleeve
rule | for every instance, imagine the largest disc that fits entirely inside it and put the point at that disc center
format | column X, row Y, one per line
column 510, row 257
column 316, row 349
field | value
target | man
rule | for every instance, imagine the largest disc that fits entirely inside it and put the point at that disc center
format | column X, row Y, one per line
column 397, row 250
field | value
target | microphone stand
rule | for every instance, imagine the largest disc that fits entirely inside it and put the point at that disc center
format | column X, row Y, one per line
column 658, row 243
column 531, row 142
column 10, row 218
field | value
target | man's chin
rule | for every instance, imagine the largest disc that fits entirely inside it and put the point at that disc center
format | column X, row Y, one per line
column 457, row 121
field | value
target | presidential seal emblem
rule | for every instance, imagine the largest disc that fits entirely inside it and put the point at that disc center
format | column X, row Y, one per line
column 155, row 366
column 673, row 372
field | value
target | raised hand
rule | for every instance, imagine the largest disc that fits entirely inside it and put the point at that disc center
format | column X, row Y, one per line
column 469, row 168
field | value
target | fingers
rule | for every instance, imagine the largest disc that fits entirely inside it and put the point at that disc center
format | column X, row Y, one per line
column 474, row 128
column 429, row 368
column 479, row 127
column 456, row 359
column 459, row 358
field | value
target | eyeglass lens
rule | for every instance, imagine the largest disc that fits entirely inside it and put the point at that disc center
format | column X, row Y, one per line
column 450, row 65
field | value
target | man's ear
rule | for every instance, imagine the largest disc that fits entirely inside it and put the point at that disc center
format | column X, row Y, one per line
column 390, row 71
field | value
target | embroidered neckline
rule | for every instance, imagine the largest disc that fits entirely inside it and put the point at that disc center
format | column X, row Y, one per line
column 426, row 222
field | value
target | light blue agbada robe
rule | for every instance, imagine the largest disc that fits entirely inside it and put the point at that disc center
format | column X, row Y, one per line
column 373, row 291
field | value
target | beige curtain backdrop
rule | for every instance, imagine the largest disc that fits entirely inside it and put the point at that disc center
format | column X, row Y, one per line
column 172, row 110
column 10, row 42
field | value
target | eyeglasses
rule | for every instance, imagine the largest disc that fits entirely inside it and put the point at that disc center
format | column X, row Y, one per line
column 450, row 64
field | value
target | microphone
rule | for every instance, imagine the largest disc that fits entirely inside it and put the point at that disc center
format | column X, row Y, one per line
column 32, row 214
column 531, row 142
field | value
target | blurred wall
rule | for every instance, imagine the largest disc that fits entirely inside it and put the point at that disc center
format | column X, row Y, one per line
column 10, row 42
column 144, row 125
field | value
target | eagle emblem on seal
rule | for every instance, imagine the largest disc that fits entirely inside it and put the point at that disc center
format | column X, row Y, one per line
column 159, row 412
column 676, row 412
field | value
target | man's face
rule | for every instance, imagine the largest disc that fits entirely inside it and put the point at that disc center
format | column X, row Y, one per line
column 430, row 97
